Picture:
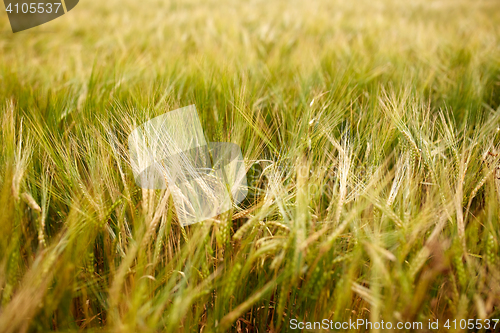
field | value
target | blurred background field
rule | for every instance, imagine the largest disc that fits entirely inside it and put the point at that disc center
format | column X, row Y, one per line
column 370, row 130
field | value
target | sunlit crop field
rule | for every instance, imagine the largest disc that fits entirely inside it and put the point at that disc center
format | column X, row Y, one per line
column 371, row 136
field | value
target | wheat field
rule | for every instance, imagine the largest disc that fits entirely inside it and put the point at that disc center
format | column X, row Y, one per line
column 371, row 137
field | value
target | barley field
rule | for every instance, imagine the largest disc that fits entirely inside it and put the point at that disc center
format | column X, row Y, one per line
column 370, row 131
